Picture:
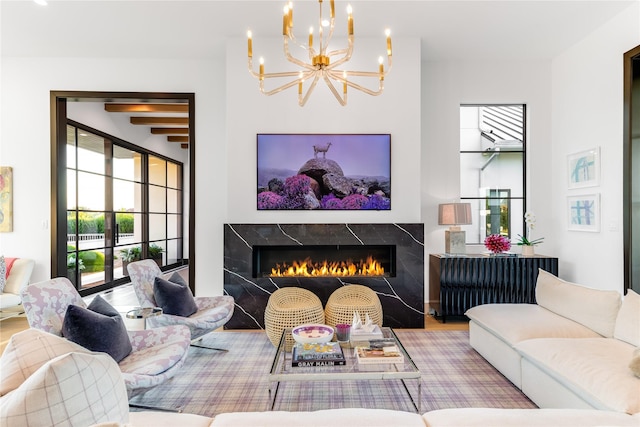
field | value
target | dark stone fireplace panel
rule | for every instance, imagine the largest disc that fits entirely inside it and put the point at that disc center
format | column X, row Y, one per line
column 402, row 295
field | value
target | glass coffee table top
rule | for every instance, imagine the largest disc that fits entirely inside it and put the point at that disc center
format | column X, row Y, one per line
column 282, row 369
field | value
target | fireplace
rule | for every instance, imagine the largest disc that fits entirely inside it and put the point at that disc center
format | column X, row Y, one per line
column 324, row 261
column 253, row 251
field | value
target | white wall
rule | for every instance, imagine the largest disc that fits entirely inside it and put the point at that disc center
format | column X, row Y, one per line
column 587, row 112
column 25, row 142
column 445, row 86
column 397, row 111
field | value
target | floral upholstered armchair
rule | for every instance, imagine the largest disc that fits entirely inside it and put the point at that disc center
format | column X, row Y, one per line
column 156, row 354
column 211, row 312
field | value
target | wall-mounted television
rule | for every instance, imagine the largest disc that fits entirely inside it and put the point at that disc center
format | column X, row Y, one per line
column 324, row 171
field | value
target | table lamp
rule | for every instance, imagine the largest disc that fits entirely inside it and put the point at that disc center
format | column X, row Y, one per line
column 454, row 215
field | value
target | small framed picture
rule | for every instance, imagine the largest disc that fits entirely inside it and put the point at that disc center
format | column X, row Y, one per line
column 584, row 212
column 583, row 168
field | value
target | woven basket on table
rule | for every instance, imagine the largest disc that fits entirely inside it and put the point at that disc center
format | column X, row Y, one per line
column 290, row 307
column 344, row 301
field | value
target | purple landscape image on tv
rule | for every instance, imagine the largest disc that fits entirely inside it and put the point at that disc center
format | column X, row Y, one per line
column 324, row 171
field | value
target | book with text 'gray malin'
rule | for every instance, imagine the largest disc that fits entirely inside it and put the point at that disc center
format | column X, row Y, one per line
column 326, row 354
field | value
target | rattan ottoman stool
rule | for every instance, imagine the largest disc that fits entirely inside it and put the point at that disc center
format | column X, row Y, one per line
column 344, row 301
column 290, row 307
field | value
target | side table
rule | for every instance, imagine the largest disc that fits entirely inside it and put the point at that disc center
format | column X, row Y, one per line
column 143, row 313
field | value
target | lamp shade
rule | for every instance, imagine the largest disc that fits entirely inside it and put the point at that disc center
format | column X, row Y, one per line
column 454, row 214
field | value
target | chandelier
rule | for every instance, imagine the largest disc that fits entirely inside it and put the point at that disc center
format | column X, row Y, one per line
column 321, row 63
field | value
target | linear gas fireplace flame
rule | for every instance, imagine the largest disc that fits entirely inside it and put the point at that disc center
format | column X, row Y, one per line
column 309, row 268
column 324, row 261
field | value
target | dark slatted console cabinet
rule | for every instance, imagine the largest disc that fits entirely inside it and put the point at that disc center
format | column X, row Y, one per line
column 459, row 282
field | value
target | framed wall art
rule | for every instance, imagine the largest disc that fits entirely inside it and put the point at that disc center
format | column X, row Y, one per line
column 6, row 199
column 584, row 212
column 324, row 171
column 584, row 168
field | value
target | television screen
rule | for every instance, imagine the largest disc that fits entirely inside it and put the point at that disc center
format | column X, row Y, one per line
column 324, row 171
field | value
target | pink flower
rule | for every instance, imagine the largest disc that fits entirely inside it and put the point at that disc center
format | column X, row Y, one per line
column 497, row 243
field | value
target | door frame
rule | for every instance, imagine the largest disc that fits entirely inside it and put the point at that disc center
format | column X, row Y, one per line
column 58, row 111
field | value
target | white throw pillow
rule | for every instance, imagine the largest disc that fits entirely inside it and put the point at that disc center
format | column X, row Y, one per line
column 594, row 308
column 75, row 389
column 628, row 320
column 26, row 352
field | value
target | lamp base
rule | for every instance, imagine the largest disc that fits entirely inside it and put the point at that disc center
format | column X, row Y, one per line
column 455, row 242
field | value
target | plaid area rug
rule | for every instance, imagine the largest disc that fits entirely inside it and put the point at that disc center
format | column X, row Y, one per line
column 453, row 375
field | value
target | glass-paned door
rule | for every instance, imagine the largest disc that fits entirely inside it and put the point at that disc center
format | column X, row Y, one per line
column 123, row 204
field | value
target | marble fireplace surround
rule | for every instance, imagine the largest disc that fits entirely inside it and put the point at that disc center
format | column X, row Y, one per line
column 402, row 296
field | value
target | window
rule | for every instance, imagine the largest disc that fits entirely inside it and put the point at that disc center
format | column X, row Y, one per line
column 123, row 203
column 492, row 169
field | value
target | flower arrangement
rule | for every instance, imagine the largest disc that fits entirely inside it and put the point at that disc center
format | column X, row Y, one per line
column 497, row 243
column 530, row 221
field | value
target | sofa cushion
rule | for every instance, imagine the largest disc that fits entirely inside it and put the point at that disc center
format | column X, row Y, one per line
column 19, row 274
column 634, row 365
column 99, row 327
column 628, row 321
column 513, row 323
column 74, row 389
column 483, row 417
column 174, row 296
column 3, row 273
column 26, row 352
column 168, row 419
column 593, row 368
column 326, row 417
column 594, row 308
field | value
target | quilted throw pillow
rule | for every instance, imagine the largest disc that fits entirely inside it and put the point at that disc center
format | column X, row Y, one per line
column 26, row 352
column 99, row 327
column 3, row 273
column 174, row 296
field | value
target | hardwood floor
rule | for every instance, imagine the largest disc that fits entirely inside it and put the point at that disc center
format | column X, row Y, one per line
column 124, row 296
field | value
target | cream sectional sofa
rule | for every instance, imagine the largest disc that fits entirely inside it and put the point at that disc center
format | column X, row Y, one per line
column 44, row 382
column 570, row 350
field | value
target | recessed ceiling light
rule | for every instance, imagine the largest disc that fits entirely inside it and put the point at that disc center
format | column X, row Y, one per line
column 41, row 2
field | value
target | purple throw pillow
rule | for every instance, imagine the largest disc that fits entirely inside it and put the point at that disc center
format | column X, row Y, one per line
column 174, row 296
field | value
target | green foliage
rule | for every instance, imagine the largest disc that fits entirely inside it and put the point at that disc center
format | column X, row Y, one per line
column 131, row 254
column 125, row 221
column 71, row 262
column 155, row 251
column 93, row 261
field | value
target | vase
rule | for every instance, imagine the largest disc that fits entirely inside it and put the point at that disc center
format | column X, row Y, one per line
column 528, row 250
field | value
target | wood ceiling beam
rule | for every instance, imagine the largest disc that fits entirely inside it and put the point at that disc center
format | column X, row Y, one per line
column 159, row 120
column 146, row 108
column 170, row 131
column 175, row 138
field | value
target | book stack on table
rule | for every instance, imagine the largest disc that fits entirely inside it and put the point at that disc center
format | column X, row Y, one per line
column 326, row 354
column 379, row 351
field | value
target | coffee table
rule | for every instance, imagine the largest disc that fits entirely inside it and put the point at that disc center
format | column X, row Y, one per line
column 282, row 371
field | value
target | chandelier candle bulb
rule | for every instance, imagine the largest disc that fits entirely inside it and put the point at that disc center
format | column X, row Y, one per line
column 333, row 9
column 249, row 44
column 310, row 37
column 350, row 20
column 285, row 24
column 290, row 19
column 381, row 68
column 388, row 33
column 261, row 68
